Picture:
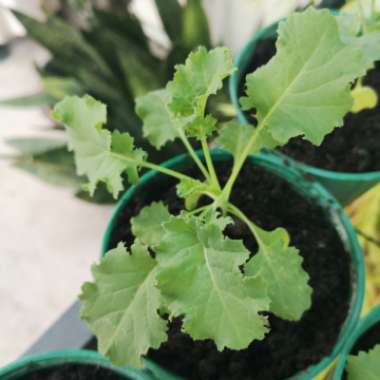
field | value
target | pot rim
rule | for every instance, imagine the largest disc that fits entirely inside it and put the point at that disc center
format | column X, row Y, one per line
column 326, row 200
column 31, row 363
column 371, row 319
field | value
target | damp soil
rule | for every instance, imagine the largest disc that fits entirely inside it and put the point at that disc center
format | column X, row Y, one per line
column 366, row 342
column 353, row 148
column 290, row 346
column 72, row 372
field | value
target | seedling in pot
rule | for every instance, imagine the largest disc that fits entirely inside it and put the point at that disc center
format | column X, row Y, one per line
column 183, row 265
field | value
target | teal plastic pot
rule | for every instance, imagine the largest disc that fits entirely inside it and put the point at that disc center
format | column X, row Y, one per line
column 344, row 186
column 308, row 189
column 30, row 364
column 372, row 318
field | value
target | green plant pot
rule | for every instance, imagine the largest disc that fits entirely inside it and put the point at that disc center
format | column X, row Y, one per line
column 308, row 189
column 30, row 364
column 365, row 324
column 344, row 186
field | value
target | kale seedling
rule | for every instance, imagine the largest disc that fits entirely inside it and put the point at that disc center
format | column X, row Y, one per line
column 365, row 365
column 195, row 272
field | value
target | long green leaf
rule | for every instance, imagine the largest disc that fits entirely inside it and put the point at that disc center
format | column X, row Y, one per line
column 305, row 89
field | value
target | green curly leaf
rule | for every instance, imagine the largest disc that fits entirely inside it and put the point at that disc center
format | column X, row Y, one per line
column 280, row 268
column 99, row 154
column 199, row 278
column 121, row 306
column 147, row 227
column 201, row 76
column 305, row 89
column 365, row 365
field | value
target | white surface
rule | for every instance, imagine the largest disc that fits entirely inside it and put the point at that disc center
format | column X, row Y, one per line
column 48, row 239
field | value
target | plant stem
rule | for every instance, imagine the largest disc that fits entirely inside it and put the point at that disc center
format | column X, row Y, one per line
column 238, row 163
column 199, row 209
column 238, row 213
column 194, row 156
column 169, row 172
column 209, row 163
column 149, row 165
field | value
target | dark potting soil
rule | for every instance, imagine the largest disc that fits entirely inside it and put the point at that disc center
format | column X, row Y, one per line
column 366, row 342
column 73, row 372
column 290, row 346
column 351, row 148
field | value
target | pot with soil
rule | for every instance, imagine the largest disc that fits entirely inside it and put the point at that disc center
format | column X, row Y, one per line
column 347, row 162
column 69, row 365
column 365, row 338
column 332, row 258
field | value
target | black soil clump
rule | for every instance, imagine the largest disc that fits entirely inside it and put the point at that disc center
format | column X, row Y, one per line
column 352, row 148
column 290, row 346
column 72, row 372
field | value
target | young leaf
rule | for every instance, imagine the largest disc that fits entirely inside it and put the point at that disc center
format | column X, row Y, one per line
column 160, row 125
column 201, row 127
column 99, row 155
column 147, row 226
column 234, row 136
column 305, row 89
column 201, row 76
column 280, row 268
column 121, row 306
column 199, row 278
column 365, row 365
column 190, row 190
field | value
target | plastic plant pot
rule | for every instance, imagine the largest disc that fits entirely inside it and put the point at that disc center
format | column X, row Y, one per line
column 372, row 318
column 308, row 189
column 30, row 364
column 344, row 186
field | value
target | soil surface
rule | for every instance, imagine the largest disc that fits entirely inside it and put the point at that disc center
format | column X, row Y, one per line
column 366, row 342
column 352, row 148
column 290, row 346
column 73, row 372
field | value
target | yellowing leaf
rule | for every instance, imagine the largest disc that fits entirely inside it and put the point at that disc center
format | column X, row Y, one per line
column 364, row 98
column 99, row 154
column 200, row 279
column 121, row 306
column 304, row 90
column 364, row 365
column 280, row 268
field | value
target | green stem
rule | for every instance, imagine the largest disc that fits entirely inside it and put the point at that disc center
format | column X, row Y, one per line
column 239, row 214
column 209, row 163
column 238, row 163
column 195, row 157
column 196, row 211
column 169, row 172
column 149, row 165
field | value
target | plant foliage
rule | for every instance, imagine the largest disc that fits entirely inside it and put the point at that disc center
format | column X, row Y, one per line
column 184, row 265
